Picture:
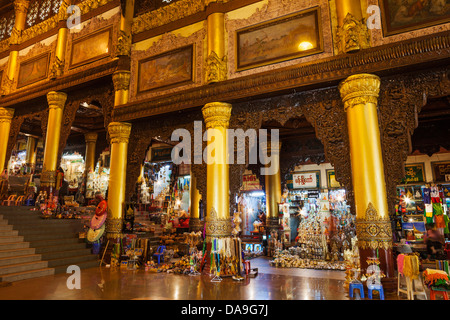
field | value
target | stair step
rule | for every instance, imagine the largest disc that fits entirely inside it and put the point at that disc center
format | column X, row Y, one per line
column 47, row 229
column 66, row 253
column 46, row 243
column 61, row 247
column 14, row 245
column 27, row 274
column 8, row 233
column 5, row 227
column 11, row 239
column 23, row 267
column 82, row 265
column 19, row 259
column 71, row 260
column 48, row 236
column 16, row 252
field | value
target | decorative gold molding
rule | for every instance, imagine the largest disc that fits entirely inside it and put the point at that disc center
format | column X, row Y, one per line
column 216, row 68
column 21, row 6
column 119, row 132
column 353, row 35
column 62, row 12
column 48, row 178
column 56, row 99
column 169, row 13
column 121, row 80
column 114, row 227
column 359, row 89
column 217, row 114
column 374, row 232
column 91, row 137
column 124, row 44
column 6, row 114
column 216, row 227
column 7, row 85
column 57, row 68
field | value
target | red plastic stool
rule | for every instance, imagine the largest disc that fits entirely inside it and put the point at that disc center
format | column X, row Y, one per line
column 247, row 266
column 434, row 292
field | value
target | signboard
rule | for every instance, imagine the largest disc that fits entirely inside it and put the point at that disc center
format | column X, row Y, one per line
column 414, row 173
column 306, row 180
column 331, row 180
column 441, row 171
column 161, row 154
column 313, row 194
column 250, row 183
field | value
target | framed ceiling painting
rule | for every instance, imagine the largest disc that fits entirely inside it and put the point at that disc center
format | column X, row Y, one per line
column 166, row 70
column 91, row 48
column 33, row 70
column 289, row 37
column 400, row 16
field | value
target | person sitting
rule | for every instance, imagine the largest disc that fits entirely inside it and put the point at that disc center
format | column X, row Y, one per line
column 434, row 241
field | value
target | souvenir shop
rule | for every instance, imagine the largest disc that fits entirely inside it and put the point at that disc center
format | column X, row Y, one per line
column 318, row 229
column 73, row 167
column 422, row 203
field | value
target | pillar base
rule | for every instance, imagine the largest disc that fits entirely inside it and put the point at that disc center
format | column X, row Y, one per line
column 195, row 224
column 114, row 228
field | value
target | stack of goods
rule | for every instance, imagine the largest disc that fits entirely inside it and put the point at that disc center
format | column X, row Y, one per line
column 312, row 241
column 285, row 259
column 182, row 266
column 436, row 279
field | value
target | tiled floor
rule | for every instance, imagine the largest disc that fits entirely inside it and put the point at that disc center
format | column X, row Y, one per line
column 105, row 284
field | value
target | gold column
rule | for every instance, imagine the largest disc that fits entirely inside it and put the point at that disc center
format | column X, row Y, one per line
column 273, row 189
column 218, row 223
column 6, row 116
column 20, row 9
column 195, row 224
column 121, row 80
column 31, row 152
column 57, row 68
column 119, row 133
column 352, row 32
column 91, row 140
column 373, row 228
column 216, row 64
column 56, row 102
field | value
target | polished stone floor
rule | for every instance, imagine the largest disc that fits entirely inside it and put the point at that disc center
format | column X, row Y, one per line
column 107, row 284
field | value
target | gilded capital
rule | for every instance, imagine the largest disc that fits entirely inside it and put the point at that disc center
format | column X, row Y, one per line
column 56, row 100
column 121, row 80
column 91, row 137
column 359, row 89
column 217, row 114
column 21, row 6
column 119, row 132
column 6, row 114
column 124, row 44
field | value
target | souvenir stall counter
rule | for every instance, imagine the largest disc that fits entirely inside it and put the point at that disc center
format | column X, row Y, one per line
column 73, row 166
column 418, row 207
column 324, row 231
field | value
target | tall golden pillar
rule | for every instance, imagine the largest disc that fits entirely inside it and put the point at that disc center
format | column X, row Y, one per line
column 121, row 80
column 91, row 140
column 20, row 10
column 57, row 68
column 195, row 224
column 273, row 189
column 119, row 133
column 216, row 64
column 352, row 32
column 56, row 102
column 6, row 116
column 218, row 222
column 373, row 227
column 31, row 152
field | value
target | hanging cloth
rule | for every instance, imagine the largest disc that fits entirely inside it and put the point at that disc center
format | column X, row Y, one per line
column 400, row 262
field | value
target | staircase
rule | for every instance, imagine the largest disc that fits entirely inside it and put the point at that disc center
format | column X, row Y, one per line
column 33, row 247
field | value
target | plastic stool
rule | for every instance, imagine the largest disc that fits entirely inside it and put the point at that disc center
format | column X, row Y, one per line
column 376, row 287
column 434, row 291
column 247, row 266
column 353, row 286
